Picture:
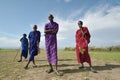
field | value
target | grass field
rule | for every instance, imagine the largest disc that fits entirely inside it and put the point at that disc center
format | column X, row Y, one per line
column 106, row 55
column 107, row 64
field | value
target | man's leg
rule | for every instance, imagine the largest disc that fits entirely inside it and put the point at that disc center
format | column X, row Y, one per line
column 57, row 72
column 30, row 59
column 20, row 58
column 81, row 66
column 51, row 68
column 34, row 63
column 26, row 67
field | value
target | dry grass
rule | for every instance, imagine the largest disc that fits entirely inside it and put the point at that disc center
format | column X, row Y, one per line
column 12, row 70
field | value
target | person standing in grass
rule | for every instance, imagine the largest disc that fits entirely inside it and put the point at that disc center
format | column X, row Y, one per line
column 34, row 40
column 50, row 31
column 24, row 46
column 82, row 41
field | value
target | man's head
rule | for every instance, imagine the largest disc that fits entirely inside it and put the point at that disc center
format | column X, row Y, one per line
column 35, row 27
column 80, row 23
column 24, row 35
column 51, row 17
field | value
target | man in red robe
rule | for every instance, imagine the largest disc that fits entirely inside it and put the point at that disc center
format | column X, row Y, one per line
column 82, row 41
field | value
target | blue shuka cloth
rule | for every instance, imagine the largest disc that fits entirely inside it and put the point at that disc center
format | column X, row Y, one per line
column 24, row 44
column 34, row 37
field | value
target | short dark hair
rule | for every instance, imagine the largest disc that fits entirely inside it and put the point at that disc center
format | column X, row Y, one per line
column 81, row 22
column 24, row 35
column 51, row 16
column 35, row 26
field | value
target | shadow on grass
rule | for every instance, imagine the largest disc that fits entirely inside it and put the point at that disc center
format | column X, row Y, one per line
column 60, row 60
column 67, row 65
column 67, row 60
column 71, row 71
column 59, row 65
column 47, row 61
column 86, row 69
column 97, row 68
column 41, row 60
column 106, row 67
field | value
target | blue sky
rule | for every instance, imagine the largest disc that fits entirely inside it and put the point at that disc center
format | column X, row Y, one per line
column 102, row 17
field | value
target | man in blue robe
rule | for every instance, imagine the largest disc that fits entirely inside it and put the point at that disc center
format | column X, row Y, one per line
column 34, row 40
column 24, row 46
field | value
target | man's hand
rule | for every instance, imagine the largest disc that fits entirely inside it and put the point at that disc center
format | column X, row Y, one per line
column 82, row 50
column 53, row 31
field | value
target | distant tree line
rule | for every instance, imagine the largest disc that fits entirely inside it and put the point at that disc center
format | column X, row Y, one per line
column 111, row 48
column 69, row 49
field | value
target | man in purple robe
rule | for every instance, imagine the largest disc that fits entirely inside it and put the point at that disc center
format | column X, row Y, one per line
column 51, row 30
column 34, row 40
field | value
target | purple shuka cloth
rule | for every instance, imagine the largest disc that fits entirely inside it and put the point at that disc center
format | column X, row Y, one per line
column 51, row 42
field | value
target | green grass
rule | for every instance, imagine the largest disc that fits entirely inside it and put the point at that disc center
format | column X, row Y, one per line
column 99, row 55
column 106, row 55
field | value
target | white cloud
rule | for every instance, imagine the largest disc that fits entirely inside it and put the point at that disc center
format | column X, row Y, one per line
column 9, row 43
column 102, row 17
column 8, row 34
column 9, row 40
column 95, row 19
column 76, row 13
column 117, row 41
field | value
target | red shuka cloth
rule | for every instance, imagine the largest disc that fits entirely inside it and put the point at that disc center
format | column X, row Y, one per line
column 82, row 42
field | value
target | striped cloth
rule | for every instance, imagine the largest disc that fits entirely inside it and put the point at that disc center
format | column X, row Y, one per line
column 51, row 43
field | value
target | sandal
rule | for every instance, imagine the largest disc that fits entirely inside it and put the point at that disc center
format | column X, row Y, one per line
column 58, row 73
column 26, row 67
column 19, row 61
column 49, row 71
column 93, row 70
column 81, row 67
